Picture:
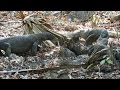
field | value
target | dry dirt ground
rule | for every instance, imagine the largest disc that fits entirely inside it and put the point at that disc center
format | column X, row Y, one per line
column 48, row 58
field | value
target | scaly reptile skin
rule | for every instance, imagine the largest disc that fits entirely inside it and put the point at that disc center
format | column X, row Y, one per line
column 24, row 43
column 91, row 35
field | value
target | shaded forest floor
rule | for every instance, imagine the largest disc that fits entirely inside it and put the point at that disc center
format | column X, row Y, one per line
column 47, row 58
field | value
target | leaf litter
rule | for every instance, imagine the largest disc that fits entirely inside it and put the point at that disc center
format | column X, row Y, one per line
column 49, row 58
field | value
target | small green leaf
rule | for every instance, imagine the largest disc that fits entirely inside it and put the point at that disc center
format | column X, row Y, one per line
column 102, row 62
column 109, row 61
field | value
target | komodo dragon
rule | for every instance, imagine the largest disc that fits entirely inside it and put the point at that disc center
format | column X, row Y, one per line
column 92, row 35
column 24, row 43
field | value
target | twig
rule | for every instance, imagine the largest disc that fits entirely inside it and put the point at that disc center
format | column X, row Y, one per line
column 38, row 71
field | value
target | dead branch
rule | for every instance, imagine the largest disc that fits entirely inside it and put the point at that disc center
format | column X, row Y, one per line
column 39, row 71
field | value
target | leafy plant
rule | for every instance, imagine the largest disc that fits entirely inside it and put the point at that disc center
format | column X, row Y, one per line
column 107, row 60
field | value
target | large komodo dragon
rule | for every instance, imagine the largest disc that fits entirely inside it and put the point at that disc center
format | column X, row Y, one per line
column 91, row 35
column 24, row 43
